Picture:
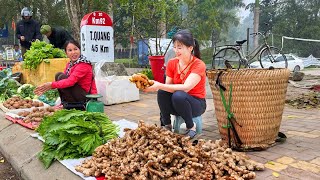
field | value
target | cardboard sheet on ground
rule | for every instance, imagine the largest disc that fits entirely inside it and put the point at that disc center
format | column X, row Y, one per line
column 72, row 163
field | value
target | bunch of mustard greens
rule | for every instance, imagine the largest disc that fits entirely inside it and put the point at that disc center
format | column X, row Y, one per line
column 71, row 134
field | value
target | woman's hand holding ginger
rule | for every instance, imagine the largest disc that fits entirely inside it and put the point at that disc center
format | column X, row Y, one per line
column 141, row 81
column 42, row 88
column 154, row 87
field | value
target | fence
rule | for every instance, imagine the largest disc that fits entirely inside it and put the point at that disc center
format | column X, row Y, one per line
column 125, row 53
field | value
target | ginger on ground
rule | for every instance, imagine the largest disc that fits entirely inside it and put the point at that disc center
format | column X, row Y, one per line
column 150, row 152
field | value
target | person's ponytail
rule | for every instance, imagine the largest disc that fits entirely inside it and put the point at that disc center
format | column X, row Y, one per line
column 196, row 49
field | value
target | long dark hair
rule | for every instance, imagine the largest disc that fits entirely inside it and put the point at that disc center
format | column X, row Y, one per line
column 74, row 42
column 186, row 38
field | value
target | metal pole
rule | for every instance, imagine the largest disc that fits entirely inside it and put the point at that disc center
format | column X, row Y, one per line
column 256, row 23
column 130, row 37
column 248, row 37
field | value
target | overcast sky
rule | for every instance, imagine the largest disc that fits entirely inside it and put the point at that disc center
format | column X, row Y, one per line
column 243, row 13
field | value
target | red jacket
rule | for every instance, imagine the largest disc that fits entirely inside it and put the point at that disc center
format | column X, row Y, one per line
column 80, row 73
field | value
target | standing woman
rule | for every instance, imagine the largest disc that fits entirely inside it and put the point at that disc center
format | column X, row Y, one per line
column 184, row 92
column 77, row 80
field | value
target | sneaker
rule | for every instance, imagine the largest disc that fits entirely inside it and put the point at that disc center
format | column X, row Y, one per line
column 191, row 133
column 168, row 127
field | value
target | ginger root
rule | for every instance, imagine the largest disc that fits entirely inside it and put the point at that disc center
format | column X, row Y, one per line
column 141, row 81
column 150, row 152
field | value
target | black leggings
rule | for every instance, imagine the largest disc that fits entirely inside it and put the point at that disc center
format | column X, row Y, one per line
column 71, row 94
column 182, row 104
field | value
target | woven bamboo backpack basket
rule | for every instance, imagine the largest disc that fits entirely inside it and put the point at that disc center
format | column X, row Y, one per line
column 257, row 103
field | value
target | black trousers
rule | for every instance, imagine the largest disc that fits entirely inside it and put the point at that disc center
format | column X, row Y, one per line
column 71, row 94
column 182, row 104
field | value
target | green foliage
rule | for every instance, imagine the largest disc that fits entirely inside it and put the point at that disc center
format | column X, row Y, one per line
column 299, row 19
column 44, row 11
column 74, row 134
column 148, row 73
column 40, row 50
column 128, row 63
column 206, row 55
column 149, row 17
column 207, row 16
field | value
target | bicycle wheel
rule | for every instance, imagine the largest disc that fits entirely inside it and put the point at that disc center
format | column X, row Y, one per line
column 272, row 57
column 226, row 56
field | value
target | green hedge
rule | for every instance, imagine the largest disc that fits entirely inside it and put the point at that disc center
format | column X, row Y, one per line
column 128, row 63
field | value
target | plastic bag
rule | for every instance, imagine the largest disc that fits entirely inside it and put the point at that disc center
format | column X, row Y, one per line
column 114, row 89
column 101, row 75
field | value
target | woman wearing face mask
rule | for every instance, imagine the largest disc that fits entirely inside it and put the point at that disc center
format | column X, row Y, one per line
column 77, row 80
column 184, row 91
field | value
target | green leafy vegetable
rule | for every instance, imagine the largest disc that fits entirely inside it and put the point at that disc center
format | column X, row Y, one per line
column 148, row 73
column 50, row 97
column 8, row 86
column 74, row 134
column 5, row 73
column 26, row 91
column 40, row 50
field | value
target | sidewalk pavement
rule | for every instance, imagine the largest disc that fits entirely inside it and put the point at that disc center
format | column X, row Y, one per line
column 297, row 158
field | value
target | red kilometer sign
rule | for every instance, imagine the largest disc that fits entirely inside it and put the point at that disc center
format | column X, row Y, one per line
column 97, row 37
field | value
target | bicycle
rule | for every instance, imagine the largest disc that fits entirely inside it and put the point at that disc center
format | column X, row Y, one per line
column 233, row 56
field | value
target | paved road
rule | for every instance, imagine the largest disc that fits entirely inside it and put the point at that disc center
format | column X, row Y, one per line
column 297, row 158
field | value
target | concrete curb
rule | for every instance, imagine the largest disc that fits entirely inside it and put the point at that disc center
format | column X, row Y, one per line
column 21, row 150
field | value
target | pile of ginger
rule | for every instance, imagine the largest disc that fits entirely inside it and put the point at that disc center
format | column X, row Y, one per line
column 151, row 152
column 141, row 80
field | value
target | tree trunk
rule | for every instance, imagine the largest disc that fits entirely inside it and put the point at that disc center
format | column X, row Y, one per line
column 256, row 24
column 44, row 12
column 75, row 16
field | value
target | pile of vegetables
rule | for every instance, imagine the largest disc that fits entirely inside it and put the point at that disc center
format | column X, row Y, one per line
column 26, row 91
column 49, row 97
column 74, row 134
column 36, row 115
column 8, row 86
column 40, row 50
column 16, row 102
column 151, row 152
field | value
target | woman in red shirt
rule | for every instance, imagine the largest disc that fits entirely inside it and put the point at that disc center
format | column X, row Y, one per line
column 77, row 80
column 184, row 91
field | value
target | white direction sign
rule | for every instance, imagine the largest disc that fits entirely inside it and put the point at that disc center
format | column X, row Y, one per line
column 97, row 42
